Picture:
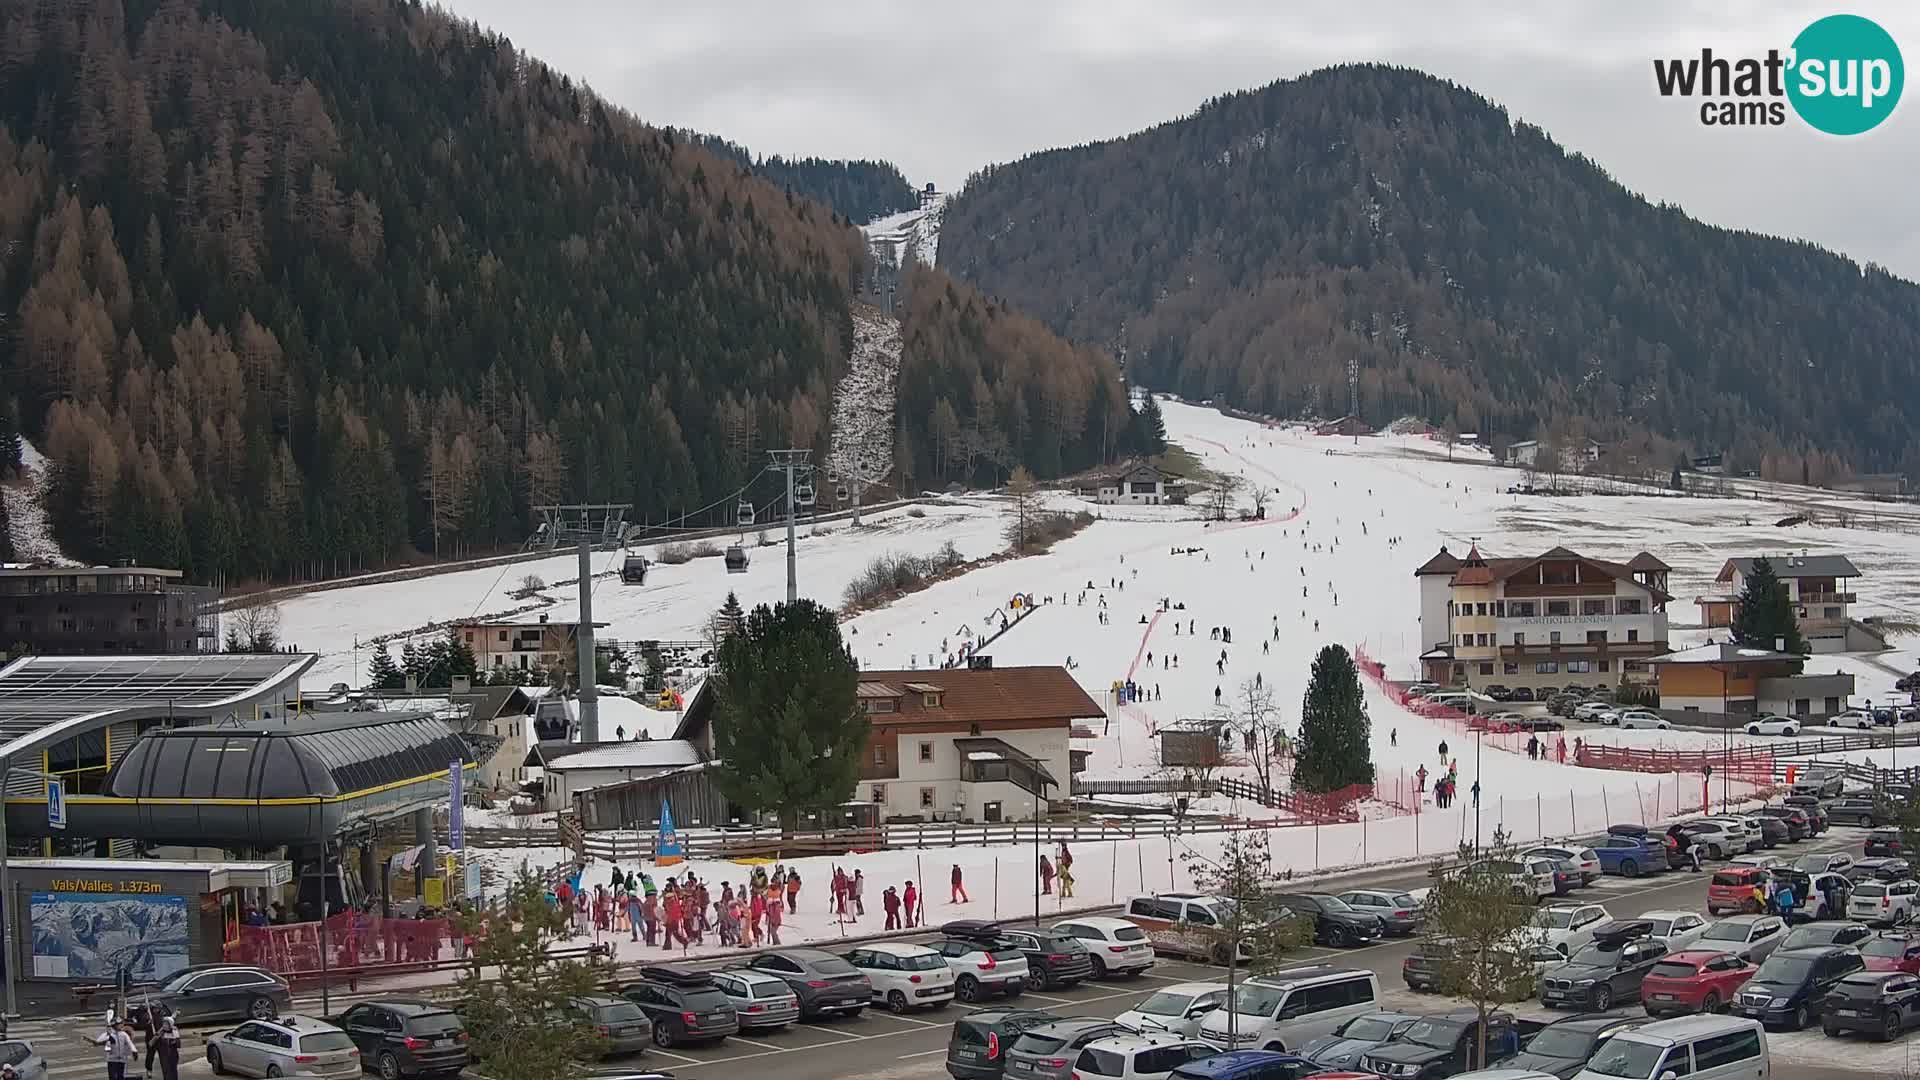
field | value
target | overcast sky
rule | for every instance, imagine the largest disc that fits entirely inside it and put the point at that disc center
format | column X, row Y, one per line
column 943, row 89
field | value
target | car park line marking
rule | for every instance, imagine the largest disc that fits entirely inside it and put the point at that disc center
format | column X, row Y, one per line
column 923, row 1053
column 911, row 1020
column 1049, row 997
column 800, row 1049
column 761, row 1045
column 674, row 1056
column 844, row 1034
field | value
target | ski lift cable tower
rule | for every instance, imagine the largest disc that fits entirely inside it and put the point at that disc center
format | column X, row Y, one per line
column 565, row 525
column 793, row 464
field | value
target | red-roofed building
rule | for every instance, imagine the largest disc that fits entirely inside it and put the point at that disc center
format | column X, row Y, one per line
column 1549, row 621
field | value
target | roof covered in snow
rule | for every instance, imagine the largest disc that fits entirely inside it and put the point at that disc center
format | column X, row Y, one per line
column 643, row 754
column 1794, row 566
column 1723, row 652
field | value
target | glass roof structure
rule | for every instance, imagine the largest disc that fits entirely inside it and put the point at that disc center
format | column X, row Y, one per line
column 354, row 756
column 44, row 699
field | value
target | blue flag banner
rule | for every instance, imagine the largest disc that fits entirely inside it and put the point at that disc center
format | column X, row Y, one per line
column 666, row 851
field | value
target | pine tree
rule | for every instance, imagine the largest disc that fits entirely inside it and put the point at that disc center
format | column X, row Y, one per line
column 788, row 732
column 1765, row 617
column 655, row 678
column 1150, row 428
column 413, row 663
column 6, row 531
column 383, row 673
column 1336, row 739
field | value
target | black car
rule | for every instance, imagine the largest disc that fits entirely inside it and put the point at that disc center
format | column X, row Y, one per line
column 1773, row 831
column 1053, row 960
column 218, row 992
column 1856, row 810
column 406, row 1037
column 686, row 1006
column 1794, row 818
column 1882, row 1003
column 1541, row 723
column 1884, row 842
column 1334, row 922
column 1816, row 814
column 1827, row 933
column 1436, row 1046
column 977, row 1049
column 1609, row 969
column 1790, row 987
column 1882, row 869
column 1497, row 692
column 1563, row 1047
column 825, row 984
column 1417, row 968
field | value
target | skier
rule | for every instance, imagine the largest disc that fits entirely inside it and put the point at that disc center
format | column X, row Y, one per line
column 1393, row 737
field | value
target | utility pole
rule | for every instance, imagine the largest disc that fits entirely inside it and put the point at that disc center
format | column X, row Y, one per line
column 788, row 462
column 1353, row 396
column 589, row 693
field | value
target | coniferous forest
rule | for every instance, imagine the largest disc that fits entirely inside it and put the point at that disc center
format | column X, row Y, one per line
column 295, row 287
column 857, row 190
column 1475, row 273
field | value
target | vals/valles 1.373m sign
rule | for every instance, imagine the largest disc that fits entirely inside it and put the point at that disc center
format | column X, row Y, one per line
column 1843, row 76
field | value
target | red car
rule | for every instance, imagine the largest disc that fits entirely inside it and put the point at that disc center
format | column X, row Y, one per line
column 1892, row 952
column 1731, row 890
column 1694, row 980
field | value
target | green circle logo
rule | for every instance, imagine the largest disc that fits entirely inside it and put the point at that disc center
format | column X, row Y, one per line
column 1847, row 75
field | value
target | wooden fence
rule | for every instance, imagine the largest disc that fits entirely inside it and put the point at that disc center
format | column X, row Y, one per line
column 630, row 846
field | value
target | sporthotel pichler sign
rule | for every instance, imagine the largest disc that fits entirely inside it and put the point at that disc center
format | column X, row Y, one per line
column 83, row 885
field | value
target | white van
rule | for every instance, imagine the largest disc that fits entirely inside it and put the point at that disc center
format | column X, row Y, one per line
column 1186, row 924
column 1696, row 1047
column 1288, row 1009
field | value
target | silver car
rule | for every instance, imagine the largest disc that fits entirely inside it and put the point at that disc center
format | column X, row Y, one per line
column 26, row 1061
column 1397, row 910
column 290, row 1045
column 760, row 1000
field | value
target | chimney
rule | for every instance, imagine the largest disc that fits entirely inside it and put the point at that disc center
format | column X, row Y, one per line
column 413, row 684
column 1779, row 644
column 463, row 684
column 543, row 616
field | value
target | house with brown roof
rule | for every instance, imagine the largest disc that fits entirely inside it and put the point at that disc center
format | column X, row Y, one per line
column 1541, row 622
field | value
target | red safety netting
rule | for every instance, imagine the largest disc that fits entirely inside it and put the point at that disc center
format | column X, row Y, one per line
column 352, row 939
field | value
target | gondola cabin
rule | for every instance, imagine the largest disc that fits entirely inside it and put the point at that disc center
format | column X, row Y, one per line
column 736, row 559
column 803, row 494
column 743, row 513
column 633, row 570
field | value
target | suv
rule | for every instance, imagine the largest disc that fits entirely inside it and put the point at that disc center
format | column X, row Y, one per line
column 1116, row 946
column 1816, row 813
column 1333, row 921
column 759, row 1000
column 684, row 1005
column 1054, row 959
column 1288, row 1009
column 1859, row 810
column 1880, row 1002
column 1713, row 837
column 1436, row 1046
column 1398, row 911
column 1186, row 924
column 406, row 1037
column 978, row 1047
column 824, row 983
column 621, row 1025
column 1563, row 1047
column 1754, row 937
column 1697, row 1047
column 1883, row 842
column 1609, row 969
column 1819, row 782
column 289, row 1046
column 1887, row 903
column 982, row 961
column 1793, row 983
column 1125, row 1057
column 1696, row 980
column 1799, row 826
column 1047, row 1052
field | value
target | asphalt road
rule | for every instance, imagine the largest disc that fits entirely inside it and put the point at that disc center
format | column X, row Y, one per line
column 885, row 1047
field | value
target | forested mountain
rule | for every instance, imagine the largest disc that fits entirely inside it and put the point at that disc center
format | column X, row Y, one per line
column 859, row 190
column 288, row 287
column 1473, row 270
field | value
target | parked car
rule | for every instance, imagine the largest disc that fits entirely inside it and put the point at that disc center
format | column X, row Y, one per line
column 1883, row 1003
column 1584, row 859
column 1694, row 980
column 1884, row 868
column 1054, row 960
column 1790, row 988
column 1884, row 842
column 28, row 1063
column 825, row 984
column 1334, row 923
column 1751, row 936
column 983, row 962
column 1608, row 969
column 1892, row 951
column 1590, row 711
column 1859, row 719
column 1116, row 946
column 1290, row 1008
column 761, row 1001
column 217, row 992
column 619, row 1025
column 1679, row 929
column 1352, row 1039
column 1442, row 1045
column 1700, row 1047
column 1642, row 719
column 1794, row 818
column 1178, row 1009
column 1629, row 856
column 400, row 1037
column 1531, row 879
column 1563, row 1047
column 1417, row 968
column 1497, row 692
column 1820, row 781
column 1569, row 927
column 285, row 1046
column 1138, row 1057
column 978, row 1046
column 1047, row 1051
column 1827, row 933
column 1816, row 812
column 1249, row 1065
column 1714, row 838
column 904, row 976
column 1773, row 864
column 1773, row 725
column 1184, row 924
column 1745, row 835
column 1825, row 862
column 1731, row 889
column 1883, row 903
column 1858, row 810
column 1810, row 892
column 1773, row 831
column 1399, row 913
column 1541, row 723
column 1522, row 693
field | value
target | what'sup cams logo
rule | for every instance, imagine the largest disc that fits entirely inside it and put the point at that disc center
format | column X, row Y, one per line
column 1843, row 76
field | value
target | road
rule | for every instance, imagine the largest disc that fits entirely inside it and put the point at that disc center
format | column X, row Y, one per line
column 885, row 1047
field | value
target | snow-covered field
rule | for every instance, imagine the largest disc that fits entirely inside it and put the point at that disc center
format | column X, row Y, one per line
column 863, row 402
column 916, row 230
column 26, row 514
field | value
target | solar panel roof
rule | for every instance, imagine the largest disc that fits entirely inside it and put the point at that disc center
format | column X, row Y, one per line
column 41, row 693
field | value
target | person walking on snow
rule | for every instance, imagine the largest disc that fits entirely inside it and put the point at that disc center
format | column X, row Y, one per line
column 958, row 894
column 1393, row 737
column 793, row 890
column 1046, row 877
column 911, row 898
column 890, row 901
column 858, row 889
column 774, row 918
column 1066, row 872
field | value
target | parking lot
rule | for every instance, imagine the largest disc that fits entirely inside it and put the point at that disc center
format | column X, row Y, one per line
column 881, row 1045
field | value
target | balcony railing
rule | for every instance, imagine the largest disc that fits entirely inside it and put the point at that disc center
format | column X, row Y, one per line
column 1828, row 598
column 1592, row 648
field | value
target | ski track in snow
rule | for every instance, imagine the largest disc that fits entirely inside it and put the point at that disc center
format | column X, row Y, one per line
column 863, row 403
column 33, row 540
